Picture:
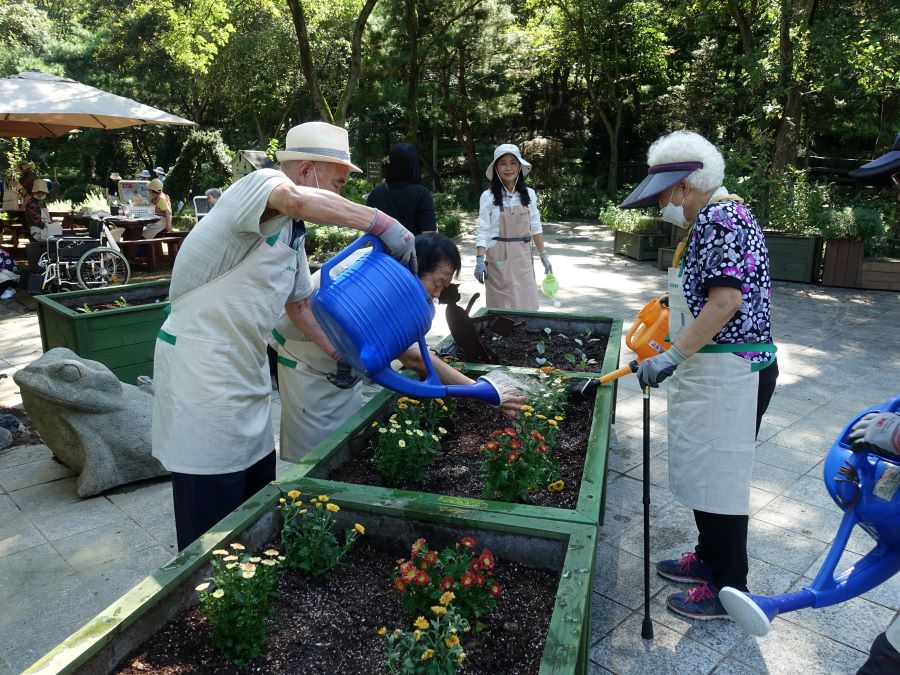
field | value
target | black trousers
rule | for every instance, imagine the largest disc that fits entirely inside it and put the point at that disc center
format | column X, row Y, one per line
column 201, row 501
column 722, row 539
column 883, row 659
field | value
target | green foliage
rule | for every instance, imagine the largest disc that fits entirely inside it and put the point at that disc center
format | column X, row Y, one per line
column 455, row 574
column 195, row 31
column 851, row 223
column 309, row 544
column 407, row 443
column 628, row 220
column 433, row 650
column 323, row 241
column 86, row 197
column 203, row 153
column 570, row 195
column 356, row 189
column 795, row 202
column 241, row 602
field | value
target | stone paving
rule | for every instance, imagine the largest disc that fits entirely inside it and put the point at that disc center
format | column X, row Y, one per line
column 63, row 559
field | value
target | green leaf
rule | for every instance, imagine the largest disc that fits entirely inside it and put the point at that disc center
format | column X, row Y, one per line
column 570, row 357
column 541, row 347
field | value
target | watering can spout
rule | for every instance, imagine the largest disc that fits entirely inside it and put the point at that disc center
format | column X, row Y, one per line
column 755, row 613
column 483, row 390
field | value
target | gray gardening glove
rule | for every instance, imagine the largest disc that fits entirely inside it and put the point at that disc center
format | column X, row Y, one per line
column 480, row 268
column 654, row 370
column 545, row 260
column 878, row 430
column 397, row 239
column 344, row 377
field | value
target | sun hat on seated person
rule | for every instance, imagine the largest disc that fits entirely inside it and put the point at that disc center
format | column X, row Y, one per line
column 659, row 179
column 507, row 149
column 155, row 185
column 145, row 174
column 159, row 169
column 115, row 176
column 317, row 142
column 40, row 185
column 886, row 165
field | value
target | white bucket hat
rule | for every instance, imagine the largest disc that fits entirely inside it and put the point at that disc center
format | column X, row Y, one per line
column 507, row 149
column 318, row 142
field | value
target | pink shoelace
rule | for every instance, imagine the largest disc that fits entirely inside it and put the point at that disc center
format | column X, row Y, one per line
column 686, row 561
column 701, row 592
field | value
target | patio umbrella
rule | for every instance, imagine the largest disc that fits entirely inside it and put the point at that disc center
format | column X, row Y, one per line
column 36, row 104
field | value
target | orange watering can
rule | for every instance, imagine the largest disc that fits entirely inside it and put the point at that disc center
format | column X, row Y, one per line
column 646, row 337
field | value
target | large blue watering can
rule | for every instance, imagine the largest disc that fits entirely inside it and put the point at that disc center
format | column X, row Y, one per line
column 373, row 311
column 867, row 486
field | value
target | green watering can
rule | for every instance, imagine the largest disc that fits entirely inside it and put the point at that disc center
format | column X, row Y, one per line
column 550, row 287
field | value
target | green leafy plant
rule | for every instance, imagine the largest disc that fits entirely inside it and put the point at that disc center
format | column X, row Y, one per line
column 121, row 302
column 237, row 601
column 432, row 647
column 309, row 544
column 85, row 309
column 428, row 576
column 407, row 442
column 628, row 220
column 851, row 223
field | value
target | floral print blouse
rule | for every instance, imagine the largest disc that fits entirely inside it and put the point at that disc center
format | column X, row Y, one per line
column 727, row 248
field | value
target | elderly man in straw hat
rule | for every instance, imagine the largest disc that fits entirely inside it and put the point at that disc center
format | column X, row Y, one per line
column 232, row 279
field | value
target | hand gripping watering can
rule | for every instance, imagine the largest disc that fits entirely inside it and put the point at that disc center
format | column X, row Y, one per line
column 373, row 311
column 550, row 287
column 865, row 485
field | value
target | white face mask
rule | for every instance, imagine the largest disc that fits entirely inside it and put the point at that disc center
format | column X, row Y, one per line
column 672, row 213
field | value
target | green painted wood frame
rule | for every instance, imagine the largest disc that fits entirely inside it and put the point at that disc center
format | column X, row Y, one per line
column 122, row 339
column 335, row 449
column 104, row 641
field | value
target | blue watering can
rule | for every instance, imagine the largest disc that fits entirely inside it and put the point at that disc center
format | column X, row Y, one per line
column 373, row 311
column 865, row 485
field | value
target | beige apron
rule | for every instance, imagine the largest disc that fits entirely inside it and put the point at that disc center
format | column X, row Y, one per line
column 49, row 229
column 211, row 407
column 712, row 421
column 510, row 281
column 311, row 407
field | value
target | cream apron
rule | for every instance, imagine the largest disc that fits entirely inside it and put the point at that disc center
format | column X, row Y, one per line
column 211, row 408
column 510, row 282
column 49, row 229
column 712, row 418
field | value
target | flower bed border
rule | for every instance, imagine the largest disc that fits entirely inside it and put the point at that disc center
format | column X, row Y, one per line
column 103, row 642
column 334, row 450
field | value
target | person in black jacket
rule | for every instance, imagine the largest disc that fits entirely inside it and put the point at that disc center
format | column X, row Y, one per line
column 402, row 195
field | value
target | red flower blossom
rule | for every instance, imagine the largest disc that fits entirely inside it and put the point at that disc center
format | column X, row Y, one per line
column 446, row 583
column 496, row 434
column 509, row 431
column 515, row 444
column 486, row 560
column 491, row 445
column 408, row 571
column 468, row 542
column 416, row 547
column 399, row 585
column 479, row 580
column 536, row 436
column 467, row 580
column 475, row 565
column 541, row 448
column 494, row 588
column 422, row 578
column 428, row 560
column 512, row 457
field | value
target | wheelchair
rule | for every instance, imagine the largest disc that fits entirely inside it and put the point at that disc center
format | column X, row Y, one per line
column 91, row 261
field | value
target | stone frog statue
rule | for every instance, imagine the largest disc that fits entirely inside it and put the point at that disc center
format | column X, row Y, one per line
column 92, row 422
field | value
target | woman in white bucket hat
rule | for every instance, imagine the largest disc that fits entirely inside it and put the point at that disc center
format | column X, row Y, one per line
column 233, row 277
column 508, row 221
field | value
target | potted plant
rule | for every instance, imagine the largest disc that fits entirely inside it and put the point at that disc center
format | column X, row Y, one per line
column 564, row 552
column 636, row 235
column 116, row 326
column 846, row 232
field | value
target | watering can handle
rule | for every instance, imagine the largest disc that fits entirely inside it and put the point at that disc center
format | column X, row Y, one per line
column 325, row 275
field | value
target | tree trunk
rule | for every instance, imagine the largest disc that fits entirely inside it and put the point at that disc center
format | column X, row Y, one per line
column 412, row 84
column 355, row 62
column 306, row 62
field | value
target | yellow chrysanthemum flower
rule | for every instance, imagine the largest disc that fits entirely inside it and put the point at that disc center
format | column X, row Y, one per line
column 403, row 399
column 419, row 432
column 256, row 560
column 229, row 558
column 556, row 486
column 439, row 401
column 293, row 494
column 442, row 430
column 270, row 552
column 382, row 430
column 281, row 500
column 414, row 401
column 444, row 408
column 323, row 498
column 526, row 414
column 302, row 511
column 231, row 565
column 298, row 503
column 382, row 631
column 393, row 417
column 559, row 418
column 249, row 574
column 552, row 423
column 440, row 611
column 462, row 657
column 334, row 508
column 218, row 593
column 268, row 562
column 359, row 528
column 220, row 551
column 447, row 597
column 402, row 406
column 202, row 587
column 237, row 547
column 421, row 622
column 434, row 437
column 319, row 506
column 375, row 423
column 401, row 443
column 427, row 654
column 417, row 634
column 451, row 641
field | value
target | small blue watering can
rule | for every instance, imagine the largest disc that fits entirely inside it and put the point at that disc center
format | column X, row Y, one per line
column 373, row 311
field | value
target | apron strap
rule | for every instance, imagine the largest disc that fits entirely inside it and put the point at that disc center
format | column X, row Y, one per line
column 734, row 347
column 287, row 362
column 166, row 337
column 279, row 338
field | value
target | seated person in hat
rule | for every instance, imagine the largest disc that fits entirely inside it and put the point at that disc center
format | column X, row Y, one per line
column 160, row 173
column 162, row 207
column 112, row 186
column 27, row 177
column 40, row 226
column 143, row 175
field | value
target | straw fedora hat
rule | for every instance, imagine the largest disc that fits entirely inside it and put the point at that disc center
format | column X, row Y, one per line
column 317, row 142
column 115, row 176
column 507, row 149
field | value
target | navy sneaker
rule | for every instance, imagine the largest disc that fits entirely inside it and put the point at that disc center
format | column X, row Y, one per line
column 688, row 570
column 700, row 603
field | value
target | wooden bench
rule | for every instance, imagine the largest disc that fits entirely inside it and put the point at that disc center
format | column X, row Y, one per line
column 149, row 262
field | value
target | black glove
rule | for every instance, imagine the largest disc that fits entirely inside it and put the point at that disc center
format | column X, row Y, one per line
column 344, row 377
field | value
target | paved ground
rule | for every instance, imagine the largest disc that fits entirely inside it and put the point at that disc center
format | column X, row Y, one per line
column 63, row 559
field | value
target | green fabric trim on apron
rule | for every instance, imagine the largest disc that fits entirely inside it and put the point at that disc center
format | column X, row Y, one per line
column 744, row 347
column 271, row 241
column 287, row 362
column 279, row 338
column 167, row 309
column 166, row 337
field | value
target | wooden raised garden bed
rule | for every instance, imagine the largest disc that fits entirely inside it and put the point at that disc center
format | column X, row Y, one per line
column 881, row 274
column 560, row 553
column 639, row 246
column 793, row 257
column 121, row 338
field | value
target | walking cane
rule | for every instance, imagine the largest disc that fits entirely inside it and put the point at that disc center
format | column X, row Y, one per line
column 647, row 624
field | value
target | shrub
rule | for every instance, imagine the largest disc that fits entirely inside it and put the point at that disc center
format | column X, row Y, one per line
column 323, row 241
column 568, row 194
column 628, row 220
column 356, row 189
column 79, row 193
column 851, row 223
column 795, row 202
column 204, row 154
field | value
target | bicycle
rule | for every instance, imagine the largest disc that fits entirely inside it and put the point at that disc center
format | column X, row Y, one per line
column 91, row 261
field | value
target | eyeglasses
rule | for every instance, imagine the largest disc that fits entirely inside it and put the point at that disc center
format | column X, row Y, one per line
column 155, row 192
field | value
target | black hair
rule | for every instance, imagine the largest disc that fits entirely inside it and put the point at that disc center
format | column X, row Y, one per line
column 497, row 186
column 433, row 249
column 403, row 164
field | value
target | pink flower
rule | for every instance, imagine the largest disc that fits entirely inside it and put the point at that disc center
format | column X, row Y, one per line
column 446, row 583
column 468, row 542
column 467, row 580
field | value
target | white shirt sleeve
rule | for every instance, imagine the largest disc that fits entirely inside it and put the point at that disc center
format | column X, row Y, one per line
column 488, row 221
column 535, row 214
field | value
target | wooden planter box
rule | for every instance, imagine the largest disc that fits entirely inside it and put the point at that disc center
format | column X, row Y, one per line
column 338, row 448
column 639, row 246
column 664, row 258
column 842, row 265
column 565, row 548
column 880, row 274
column 793, row 257
column 123, row 339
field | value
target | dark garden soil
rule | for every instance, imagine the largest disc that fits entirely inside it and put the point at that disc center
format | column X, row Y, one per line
column 24, row 436
column 457, row 471
column 519, row 348
column 330, row 625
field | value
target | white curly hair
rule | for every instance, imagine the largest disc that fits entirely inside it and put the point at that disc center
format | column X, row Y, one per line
column 687, row 146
